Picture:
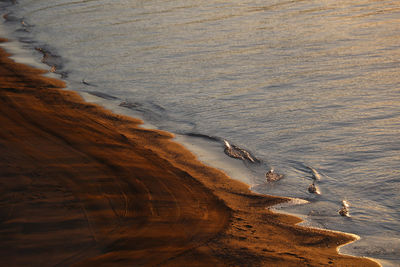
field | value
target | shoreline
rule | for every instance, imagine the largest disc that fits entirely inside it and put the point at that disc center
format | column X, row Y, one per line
column 84, row 186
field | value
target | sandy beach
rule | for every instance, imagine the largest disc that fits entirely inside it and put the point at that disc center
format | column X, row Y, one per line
column 81, row 186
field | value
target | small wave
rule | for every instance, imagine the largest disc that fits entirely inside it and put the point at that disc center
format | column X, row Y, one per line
column 130, row 105
column 150, row 111
column 147, row 107
column 314, row 173
column 307, row 169
column 291, row 202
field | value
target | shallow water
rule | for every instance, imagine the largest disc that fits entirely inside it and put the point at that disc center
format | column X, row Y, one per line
column 297, row 83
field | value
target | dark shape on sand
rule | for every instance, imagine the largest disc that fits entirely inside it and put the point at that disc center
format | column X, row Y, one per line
column 273, row 176
column 205, row 136
column 238, row 153
column 88, row 84
column 54, row 61
column 102, row 95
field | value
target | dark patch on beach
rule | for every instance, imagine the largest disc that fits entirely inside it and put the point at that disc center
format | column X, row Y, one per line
column 142, row 107
column 26, row 40
column 205, row 136
column 130, row 105
column 88, row 83
column 53, row 60
column 25, row 27
column 102, row 95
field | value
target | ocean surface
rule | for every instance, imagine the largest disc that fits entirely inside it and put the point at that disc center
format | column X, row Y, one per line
column 299, row 84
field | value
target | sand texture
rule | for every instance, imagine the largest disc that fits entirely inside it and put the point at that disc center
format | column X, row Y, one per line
column 80, row 186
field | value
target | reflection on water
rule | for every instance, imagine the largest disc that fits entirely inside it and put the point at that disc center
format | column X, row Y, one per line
column 297, row 83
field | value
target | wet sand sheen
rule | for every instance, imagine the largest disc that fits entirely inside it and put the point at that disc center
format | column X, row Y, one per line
column 82, row 186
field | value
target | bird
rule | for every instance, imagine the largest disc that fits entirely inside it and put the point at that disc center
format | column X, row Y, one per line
column 313, row 189
column 273, row 176
column 344, row 210
column 234, row 151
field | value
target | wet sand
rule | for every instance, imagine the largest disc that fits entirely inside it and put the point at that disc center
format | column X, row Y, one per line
column 81, row 186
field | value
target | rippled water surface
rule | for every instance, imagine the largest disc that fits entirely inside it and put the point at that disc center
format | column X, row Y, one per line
column 297, row 83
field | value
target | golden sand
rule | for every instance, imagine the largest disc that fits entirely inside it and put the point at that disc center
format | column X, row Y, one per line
column 82, row 186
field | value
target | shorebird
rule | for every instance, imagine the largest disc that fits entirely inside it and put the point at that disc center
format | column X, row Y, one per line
column 272, row 176
column 237, row 152
column 313, row 189
column 344, row 211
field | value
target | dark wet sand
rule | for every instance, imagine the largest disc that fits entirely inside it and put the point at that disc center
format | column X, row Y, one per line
column 82, row 186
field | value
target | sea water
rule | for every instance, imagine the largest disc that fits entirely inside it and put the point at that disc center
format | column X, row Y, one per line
column 301, row 85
